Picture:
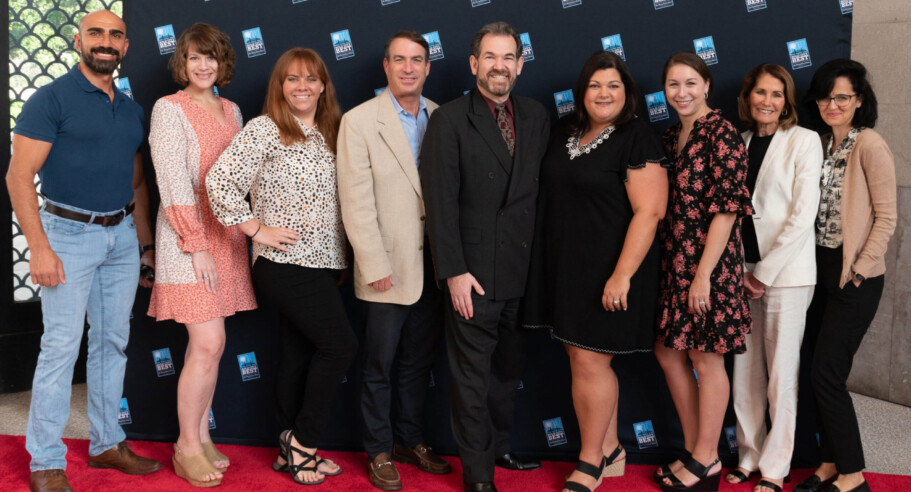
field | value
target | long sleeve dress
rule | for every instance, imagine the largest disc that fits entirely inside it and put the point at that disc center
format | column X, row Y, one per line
column 185, row 142
column 707, row 178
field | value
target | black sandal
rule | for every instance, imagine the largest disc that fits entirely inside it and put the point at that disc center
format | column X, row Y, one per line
column 283, row 468
column 769, row 485
column 665, row 470
column 612, row 466
column 741, row 478
column 590, row 470
column 705, row 482
column 300, row 467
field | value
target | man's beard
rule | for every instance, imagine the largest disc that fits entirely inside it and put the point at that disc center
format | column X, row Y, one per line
column 487, row 85
column 101, row 66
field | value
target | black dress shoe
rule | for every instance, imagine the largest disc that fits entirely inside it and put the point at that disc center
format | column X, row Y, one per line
column 480, row 487
column 814, row 484
column 510, row 462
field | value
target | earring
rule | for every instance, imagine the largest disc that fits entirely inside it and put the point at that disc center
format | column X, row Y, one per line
column 706, row 95
column 785, row 112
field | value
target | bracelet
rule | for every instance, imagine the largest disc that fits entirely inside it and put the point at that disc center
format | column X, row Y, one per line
column 147, row 247
column 257, row 230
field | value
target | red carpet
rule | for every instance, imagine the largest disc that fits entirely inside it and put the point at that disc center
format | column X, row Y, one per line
column 251, row 471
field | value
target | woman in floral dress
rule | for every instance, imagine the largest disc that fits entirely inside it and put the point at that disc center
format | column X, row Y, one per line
column 703, row 310
column 203, row 269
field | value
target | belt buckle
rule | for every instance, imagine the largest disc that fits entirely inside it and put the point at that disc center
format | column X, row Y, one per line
column 112, row 220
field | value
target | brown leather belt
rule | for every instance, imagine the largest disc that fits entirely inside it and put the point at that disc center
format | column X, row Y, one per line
column 102, row 220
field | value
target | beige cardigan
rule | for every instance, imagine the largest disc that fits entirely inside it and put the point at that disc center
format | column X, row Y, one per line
column 868, row 207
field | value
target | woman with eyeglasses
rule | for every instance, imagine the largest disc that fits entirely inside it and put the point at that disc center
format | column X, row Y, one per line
column 856, row 218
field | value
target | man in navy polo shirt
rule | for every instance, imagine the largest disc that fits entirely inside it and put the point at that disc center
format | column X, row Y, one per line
column 80, row 135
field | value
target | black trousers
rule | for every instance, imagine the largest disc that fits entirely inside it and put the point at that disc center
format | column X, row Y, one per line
column 837, row 320
column 486, row 361
column 401, row 339
column 317, row 343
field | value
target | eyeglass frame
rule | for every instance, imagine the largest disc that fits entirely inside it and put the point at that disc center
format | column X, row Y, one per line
column 823, row 102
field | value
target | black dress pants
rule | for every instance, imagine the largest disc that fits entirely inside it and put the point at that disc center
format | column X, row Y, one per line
column 403, row 340
column 317, row 343
column 486, row 361
column 837, row 320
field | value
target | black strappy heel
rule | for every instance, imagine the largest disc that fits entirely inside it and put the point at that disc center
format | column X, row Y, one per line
column 590, row 470
column 665, row 470
column 706, row 482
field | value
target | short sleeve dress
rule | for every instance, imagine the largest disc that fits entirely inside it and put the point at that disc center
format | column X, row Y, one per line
column 185, row 141
column 584, row 213
column 708, row 177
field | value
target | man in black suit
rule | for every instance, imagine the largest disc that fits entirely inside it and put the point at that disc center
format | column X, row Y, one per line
column 480, row 160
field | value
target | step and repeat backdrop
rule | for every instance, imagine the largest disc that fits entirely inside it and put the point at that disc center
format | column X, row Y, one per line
column 732, row 36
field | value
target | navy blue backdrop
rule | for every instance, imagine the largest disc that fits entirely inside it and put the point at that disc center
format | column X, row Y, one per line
column 349, row 34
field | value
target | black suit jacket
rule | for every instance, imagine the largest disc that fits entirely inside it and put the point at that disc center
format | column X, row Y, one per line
column 480, row 202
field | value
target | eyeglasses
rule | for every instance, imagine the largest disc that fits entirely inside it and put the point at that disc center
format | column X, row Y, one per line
column 841, row 100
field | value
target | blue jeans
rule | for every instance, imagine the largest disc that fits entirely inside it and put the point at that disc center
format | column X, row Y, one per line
column 101, row 265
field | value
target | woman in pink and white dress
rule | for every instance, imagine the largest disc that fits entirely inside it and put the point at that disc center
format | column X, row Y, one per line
column 203, row 268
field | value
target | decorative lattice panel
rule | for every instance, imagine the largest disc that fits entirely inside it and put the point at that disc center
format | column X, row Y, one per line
column 40, row 50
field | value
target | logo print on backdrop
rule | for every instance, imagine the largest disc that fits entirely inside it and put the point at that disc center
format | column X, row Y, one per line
column 847, row 6
column 123, row 85
column 799, row 53
column 571, row 3
column 292, row 1
column 211, row 420
column 341, row 43
column 386, row 2
column 344, row 379
column 167, row 43
column 705, row 48
column 377, row 92
column 663, row 4
column 564, row 102
column 754, row 5
column 478, row 3
column 553, row 429
column 657, row 106
column 253, row 41
column 433, row 382
column 164, row 366
column 521, row 385
column 436, row 47
column 645, row 434
column 731, row 434
column 123, row 416
column 613, row 43
column 249, row 369
column 527, row 52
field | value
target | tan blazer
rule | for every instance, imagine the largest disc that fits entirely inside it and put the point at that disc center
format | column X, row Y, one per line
column 382, row 203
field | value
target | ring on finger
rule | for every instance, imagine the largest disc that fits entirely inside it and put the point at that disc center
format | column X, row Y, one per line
column 616, row 301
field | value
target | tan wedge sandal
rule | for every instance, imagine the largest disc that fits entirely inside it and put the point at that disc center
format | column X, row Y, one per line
column 194, row 468
column 213, row 455
column 612, row 466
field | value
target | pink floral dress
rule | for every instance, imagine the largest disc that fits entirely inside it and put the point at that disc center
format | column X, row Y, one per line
column 708, row 177
column 185, row 141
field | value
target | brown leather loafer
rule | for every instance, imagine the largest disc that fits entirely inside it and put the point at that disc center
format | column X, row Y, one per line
column 382, row 473
column 49, row 481
column 122, row 458
column 422, row 457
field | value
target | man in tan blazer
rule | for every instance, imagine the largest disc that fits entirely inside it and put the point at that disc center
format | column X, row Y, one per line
column 382, row 203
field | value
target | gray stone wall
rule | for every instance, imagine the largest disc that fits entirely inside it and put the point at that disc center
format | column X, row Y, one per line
column 881, row 39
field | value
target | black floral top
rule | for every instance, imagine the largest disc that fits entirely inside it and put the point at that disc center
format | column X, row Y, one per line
column 708, row 177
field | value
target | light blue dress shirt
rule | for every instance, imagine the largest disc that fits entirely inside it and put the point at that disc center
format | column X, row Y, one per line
column 414, row 126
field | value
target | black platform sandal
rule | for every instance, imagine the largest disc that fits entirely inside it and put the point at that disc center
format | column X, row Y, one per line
column 300, row 467
column 590, row 470
column 706, row 482
column 665, row 470
column 739, row 475
column 612, row 466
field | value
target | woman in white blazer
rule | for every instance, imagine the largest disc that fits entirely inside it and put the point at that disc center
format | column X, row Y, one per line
column 779, row 249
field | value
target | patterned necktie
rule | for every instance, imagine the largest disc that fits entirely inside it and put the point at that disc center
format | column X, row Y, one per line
column 505, row 129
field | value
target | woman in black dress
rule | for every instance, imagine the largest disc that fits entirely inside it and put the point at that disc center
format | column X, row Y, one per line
column 604, row 191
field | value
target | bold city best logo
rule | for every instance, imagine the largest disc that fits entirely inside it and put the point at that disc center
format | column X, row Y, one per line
column 341, row 44
column 527, row 52
column 799, row 53
column 754, row 5
column 663, row 4
column 705, row 48
column 123, row 85
column 253, row 42
column 164, row 365
column 613, row 43
column 553, row 430
column 436, row 48
column 167, row 43
column 123, row 416
column 645, row 434
column 571, row 3
column 565, row 103
column 249, row 369
column 657, row 106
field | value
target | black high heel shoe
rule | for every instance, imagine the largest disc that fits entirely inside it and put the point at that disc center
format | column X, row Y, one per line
column 665, row 470
column 705, row 482
column 590, row 470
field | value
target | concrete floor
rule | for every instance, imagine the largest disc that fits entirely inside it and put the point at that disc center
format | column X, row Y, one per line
column 885, row 427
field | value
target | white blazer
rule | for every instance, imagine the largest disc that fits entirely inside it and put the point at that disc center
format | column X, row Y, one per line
column 785, row 203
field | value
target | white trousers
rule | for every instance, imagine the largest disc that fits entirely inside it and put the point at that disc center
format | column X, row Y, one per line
column 767, row 373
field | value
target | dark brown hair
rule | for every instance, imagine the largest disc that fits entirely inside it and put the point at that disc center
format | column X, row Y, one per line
column 824, row 80
column 208, row 40
column 412, row 36
column 499, row 28
column 693, row 61
column 602, row 60
column 328, row 113
column 788, row 116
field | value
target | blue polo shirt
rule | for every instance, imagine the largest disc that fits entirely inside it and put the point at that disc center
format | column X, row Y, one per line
column 90, row 165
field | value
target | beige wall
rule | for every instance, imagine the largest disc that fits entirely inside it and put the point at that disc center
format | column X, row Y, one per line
column 881, row 41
